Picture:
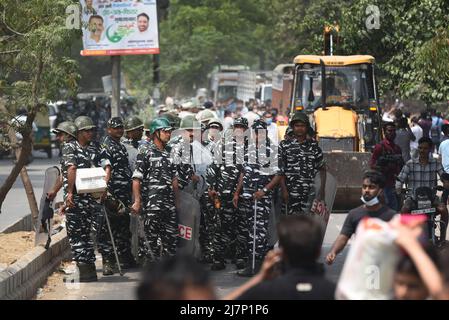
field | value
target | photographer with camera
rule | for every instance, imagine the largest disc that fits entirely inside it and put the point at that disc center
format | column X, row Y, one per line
column 387, row 159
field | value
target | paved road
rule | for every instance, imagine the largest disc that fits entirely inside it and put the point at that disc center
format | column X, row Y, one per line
column 16, row 204
column 123, row 288
column 116, row 287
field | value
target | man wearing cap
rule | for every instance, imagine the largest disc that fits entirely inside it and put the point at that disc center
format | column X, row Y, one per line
column 300, row 159
column 154, row 168
column 254, row 195
column 114, row 159
column 80, row 209
column 65, row 133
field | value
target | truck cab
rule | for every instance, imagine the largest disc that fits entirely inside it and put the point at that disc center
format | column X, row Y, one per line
column 339, row 95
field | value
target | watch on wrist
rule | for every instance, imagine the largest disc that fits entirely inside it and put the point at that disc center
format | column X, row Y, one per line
column 265, row 190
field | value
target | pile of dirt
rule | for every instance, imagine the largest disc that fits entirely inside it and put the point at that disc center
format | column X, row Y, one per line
column 14, row 245
column 55, row 282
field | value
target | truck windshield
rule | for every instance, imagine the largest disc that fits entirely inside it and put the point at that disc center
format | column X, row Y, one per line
column 348, row 86
column 226, row 92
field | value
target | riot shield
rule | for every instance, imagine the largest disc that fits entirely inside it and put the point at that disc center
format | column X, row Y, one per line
column 189, row 215
column 44, row 222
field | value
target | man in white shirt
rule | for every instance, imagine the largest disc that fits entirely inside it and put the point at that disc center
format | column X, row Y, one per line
column 94, row 37
column 443, row 150
column 144, row 36
column 228, row 120
column 251, row 116
column 418, row 132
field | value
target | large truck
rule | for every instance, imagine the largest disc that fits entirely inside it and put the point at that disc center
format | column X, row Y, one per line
column 224, row 82
column 239, row 82
column 246, row 85
column 339, row 95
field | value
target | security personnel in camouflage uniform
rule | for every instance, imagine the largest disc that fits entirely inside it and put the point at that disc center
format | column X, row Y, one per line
column 181, row 151
column 256, row 183
column 94, row 147
column 300, row 159
column 133, row 131
column 65, row 132
column 208, row 219
column 80, row 208
column 118, row 176
column 204, row 117
column 229, row 227
column 155, row 169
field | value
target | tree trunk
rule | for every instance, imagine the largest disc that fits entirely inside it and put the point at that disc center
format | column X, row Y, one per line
column 26, row 142
column 25, row 178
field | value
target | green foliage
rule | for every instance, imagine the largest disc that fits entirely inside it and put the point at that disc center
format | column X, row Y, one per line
column 34, row 51
column 408, row 46
column 198, row 36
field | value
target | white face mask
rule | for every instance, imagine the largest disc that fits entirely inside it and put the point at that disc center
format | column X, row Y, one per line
column 370, row 203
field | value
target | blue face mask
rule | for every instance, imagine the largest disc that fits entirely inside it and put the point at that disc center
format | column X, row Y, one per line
column 269, row 121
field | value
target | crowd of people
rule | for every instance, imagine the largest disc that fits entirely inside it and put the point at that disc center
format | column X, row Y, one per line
column 149, row 166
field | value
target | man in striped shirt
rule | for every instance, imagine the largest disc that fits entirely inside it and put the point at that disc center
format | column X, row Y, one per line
column 422, row 172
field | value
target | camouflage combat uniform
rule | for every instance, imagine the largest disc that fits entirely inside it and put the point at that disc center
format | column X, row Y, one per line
column 81, row 218
column 132, row 148
column 258, row 171
column 299, row 163
column 181, row 154
column 156, row 172
column 208, row 217
column 114, row 153
column 229, row 225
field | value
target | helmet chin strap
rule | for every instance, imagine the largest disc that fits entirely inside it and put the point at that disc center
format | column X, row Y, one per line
column 158, row 136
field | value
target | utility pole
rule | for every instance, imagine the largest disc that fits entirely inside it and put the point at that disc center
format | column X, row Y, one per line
column 156, row 64
column 330, row 36
column 115, row 103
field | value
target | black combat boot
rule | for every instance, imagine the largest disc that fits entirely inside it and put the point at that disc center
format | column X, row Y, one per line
column 240, row 263
column 87, row 272
column 218, row 265
column 205, row 259
column 127, row 261
column 248, row 271
column 109, row 266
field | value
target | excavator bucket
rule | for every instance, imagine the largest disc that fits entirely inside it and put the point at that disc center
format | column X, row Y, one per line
column 347, row 168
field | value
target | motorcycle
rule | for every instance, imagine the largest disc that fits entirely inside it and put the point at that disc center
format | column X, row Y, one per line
column 424, row 198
